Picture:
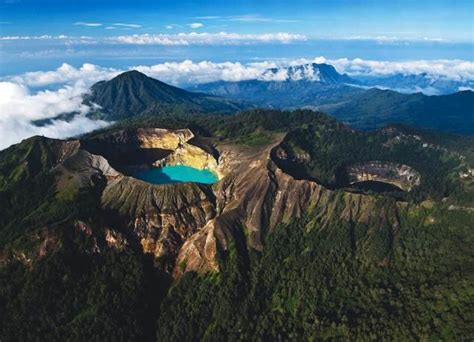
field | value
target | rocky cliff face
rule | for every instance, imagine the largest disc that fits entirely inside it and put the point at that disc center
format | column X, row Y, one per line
column 162, row 217
column 402, row 176
column 163, row 138
column 190, row 155
column 149, row 137
column 255, row 196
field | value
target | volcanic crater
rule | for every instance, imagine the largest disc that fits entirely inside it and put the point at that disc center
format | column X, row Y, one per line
column 185, row 225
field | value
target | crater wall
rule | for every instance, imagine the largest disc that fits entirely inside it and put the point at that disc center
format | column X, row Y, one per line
column 400, row 175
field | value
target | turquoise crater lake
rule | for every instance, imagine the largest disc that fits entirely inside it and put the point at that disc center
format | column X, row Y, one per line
column 176, row 174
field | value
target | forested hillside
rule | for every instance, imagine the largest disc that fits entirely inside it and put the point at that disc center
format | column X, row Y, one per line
column 347, row 264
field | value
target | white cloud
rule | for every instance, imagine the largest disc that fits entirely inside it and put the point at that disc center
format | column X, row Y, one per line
column 219, row 38
column 191, row 38
column 190, row 72
column 204, row 38
column 43, row 37
column 196, row 25
column 18, row 108
column 82, row 23
column 65, row 74
column 452, row 69
column 127, row 25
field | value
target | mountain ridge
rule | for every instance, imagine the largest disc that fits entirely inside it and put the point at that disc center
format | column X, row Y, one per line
column 378, row 107
column 289, row 87
column 422, row 82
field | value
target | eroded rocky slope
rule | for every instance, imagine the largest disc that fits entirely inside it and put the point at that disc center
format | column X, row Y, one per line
column 185, row 226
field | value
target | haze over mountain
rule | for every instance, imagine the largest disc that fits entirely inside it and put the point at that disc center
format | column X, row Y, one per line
column 414, row 83
column 320, row 86
column 291, row 87
column 311, row 82
column 376, row 108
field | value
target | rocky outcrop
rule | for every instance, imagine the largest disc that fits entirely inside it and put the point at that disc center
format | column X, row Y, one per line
column 149, row 137
column 190, row 155
column 402, row 176
column 115, row 239
column 199, row 252
column 163, row 138
column 162, row 217
column 155, row 147
column 255, row 196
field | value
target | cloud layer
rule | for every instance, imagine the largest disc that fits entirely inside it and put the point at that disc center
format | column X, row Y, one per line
column 189, row 72
column 18, row 108
column 452, row 69
column 205, row 38
column 65, row 74
column 188, row 38
column 19, row 105
column 81, row 23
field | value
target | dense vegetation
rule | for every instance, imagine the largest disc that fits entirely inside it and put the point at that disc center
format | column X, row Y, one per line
column 332, row 146
column 329, row 151
column 376, row 108
column 78, row 294
column 314, row 280
column 318, row 277
column 342, row 280
column 222, row 127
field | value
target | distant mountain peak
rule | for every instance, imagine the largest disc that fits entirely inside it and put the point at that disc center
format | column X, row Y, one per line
column 136, row 77
column 132, row 72
column 132, row 93
column 314, row 72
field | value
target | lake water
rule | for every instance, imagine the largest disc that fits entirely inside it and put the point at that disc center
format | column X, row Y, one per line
column 176, row 174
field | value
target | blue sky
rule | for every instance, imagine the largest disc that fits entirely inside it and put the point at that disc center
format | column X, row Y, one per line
column 43, row 34
column 406, row 18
